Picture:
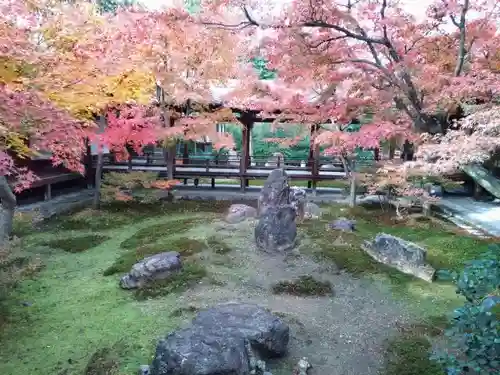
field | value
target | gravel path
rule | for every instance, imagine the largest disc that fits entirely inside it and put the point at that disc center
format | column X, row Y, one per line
column 340, row 335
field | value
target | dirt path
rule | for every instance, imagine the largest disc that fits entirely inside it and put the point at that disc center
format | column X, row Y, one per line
column 340, row 335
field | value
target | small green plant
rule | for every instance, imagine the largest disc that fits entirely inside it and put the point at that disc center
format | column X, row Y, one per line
column 77, row 244
column 190, row 274
column 474, row 327
column 303, row 286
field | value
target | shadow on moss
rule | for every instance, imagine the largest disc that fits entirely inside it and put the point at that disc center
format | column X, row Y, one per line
column 184, row 246
column 189, row 310
column 77, row 244
column 190, row 274
column 153, row 233
column 218, row 246
column 303, row 286
column 104, row 361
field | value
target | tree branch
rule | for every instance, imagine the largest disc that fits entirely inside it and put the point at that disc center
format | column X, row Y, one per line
column 462, row 50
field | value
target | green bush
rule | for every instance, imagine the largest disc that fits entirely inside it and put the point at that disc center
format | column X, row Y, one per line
column 474, row 327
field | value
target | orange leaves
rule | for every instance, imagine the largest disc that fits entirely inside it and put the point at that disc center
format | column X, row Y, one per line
column 164, row 184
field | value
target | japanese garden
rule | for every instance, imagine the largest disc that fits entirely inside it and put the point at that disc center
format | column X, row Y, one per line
column 249, row 187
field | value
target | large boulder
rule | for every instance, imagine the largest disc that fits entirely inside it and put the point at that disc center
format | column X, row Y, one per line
column 226, row 339
column 156, row 267
column 275, row 192
column 403, row 255
column 240, row 212
column 276, row 231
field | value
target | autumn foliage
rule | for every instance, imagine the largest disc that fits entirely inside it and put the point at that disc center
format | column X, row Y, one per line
column 334, row 61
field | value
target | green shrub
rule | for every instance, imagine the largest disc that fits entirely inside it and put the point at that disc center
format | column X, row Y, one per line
column 474, row 327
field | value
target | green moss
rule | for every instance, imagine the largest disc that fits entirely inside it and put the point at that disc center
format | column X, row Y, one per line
column 303, row 286
column 103, row 362
column 77, row 244
column 190, row 274
column 218, row 246
column 187, row 246
column 153, row 233
column 408, row 354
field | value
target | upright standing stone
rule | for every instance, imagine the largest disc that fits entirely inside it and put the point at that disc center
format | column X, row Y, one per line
column 275, row 192
column 276, row 230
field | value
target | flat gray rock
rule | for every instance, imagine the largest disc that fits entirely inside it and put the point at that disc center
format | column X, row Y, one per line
column 157, row 267
column 403, row 255
column 225, row 339
column 343, row 224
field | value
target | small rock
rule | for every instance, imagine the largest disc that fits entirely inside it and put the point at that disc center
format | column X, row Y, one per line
column 157, row 267
column 261, row 365
column 303, row 367
column 240, row 212
column 143, row 370
column 312, row 211
column 343, row 224
column 298, row 201
column 26, row 303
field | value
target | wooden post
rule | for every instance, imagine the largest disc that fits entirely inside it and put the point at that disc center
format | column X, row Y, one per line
column 247, row 119
column 48, row 192
column 315, row 169
column 312, row 164
column 185, row 152
column 478, row 191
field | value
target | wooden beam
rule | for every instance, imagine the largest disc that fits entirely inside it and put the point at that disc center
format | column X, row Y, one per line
column 312, row 158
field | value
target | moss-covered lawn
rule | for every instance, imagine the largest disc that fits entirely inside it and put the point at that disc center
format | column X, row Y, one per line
column 73, row 308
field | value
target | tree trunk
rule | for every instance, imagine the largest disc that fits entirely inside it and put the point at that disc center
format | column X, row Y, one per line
column 349, row 171
column 352, row 191
column 171, row 161
column 8, row 207
column 98, row 169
